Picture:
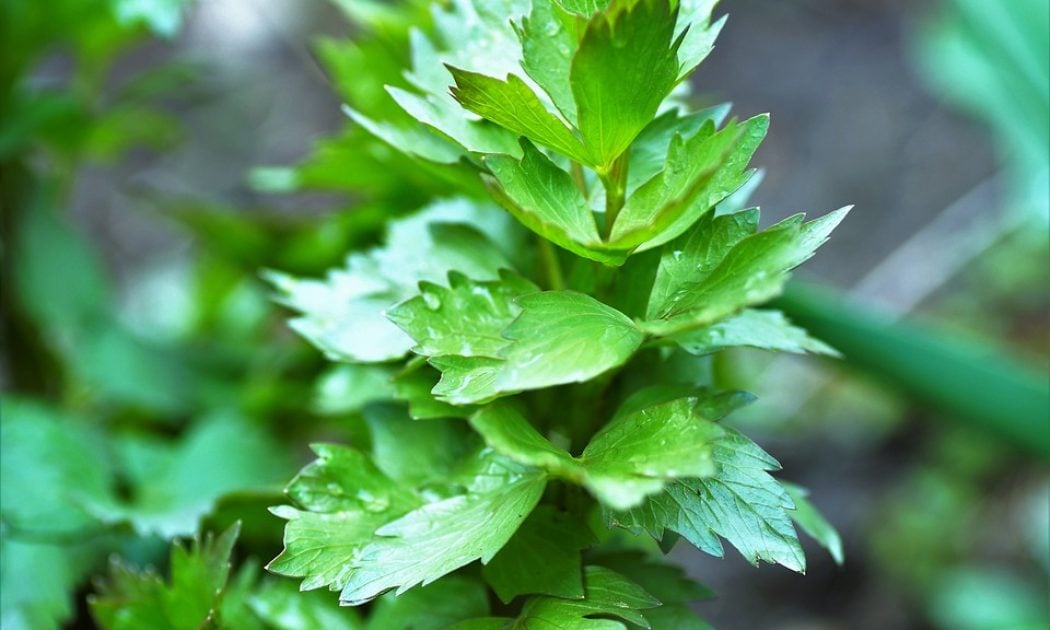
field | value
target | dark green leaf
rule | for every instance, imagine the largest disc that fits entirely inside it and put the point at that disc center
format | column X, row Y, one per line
column 542, row 558
column 741, row 503
column 132, row 600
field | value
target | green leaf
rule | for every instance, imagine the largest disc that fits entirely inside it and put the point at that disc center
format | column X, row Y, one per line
column 545, row 199
column 282, row 606
column 639, row 450
column 625, row 66
column 607, row 594
column 507, row 431
column 445, row 535
column 699, row 40
column 698, row 173
column 543, row 557
column 666, row 582
column 695, row 255
column 345, row 499
column 50, row 466
column 514, row 105
column 174, row 485
column 644, row 447
column 467, row 380
column 39, row 580
column 343, row 314
column 452, row 599
column 548, row 45
column 132, row 600
column 410, row 139
column 565, row 337
column 417, row 453
column 583, row 8
column 559, row 337
column 414, row 387
column 649, row 150
column 813, row 523
column 344, row 389
column 766, row 330
column 465, row 319
column 713, row 272
column 742, row 503
column 446, row 117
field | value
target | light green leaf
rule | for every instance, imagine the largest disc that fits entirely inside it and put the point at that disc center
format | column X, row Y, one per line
column 625, row 66
column 717, row 273
column 559, row 337
column 699, row 40
column 640, row 450
column 51, row 465
column 464, row 319
column 344, row 389
column 698, row 172
column 345, row 498
column 476, row 136
column 767, row 330
column 543, row 557
column 694, row 255
column 443, row 536
column 813, row 522
column 132, row 600
column 649, row 150
column 545, row 199
column 467, row 380
column 583, row 8
column 741, row 503
column 409, row 139
column 564, row 337
column 512, row 104
column 39, row 580
column 644, row 447
column 282, row 606
column 548, row 45
column 343, row 314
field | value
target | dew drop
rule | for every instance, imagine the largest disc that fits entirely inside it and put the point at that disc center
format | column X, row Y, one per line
column 432, row 301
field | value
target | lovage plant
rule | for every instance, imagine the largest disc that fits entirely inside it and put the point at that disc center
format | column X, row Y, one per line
column 534, row 376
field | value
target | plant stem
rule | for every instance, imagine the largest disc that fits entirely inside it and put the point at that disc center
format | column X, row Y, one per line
column 551, row 265
column 615, row 183
column 579, row 178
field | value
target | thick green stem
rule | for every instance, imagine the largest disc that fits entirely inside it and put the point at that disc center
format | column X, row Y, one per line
column 615, row 183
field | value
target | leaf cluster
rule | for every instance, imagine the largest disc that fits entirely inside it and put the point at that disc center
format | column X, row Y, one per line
column 565, row 380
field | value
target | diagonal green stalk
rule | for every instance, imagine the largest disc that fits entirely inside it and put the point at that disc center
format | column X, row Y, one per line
column 615, row 183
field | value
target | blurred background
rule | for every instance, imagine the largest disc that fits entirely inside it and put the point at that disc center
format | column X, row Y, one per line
column 155, row 156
